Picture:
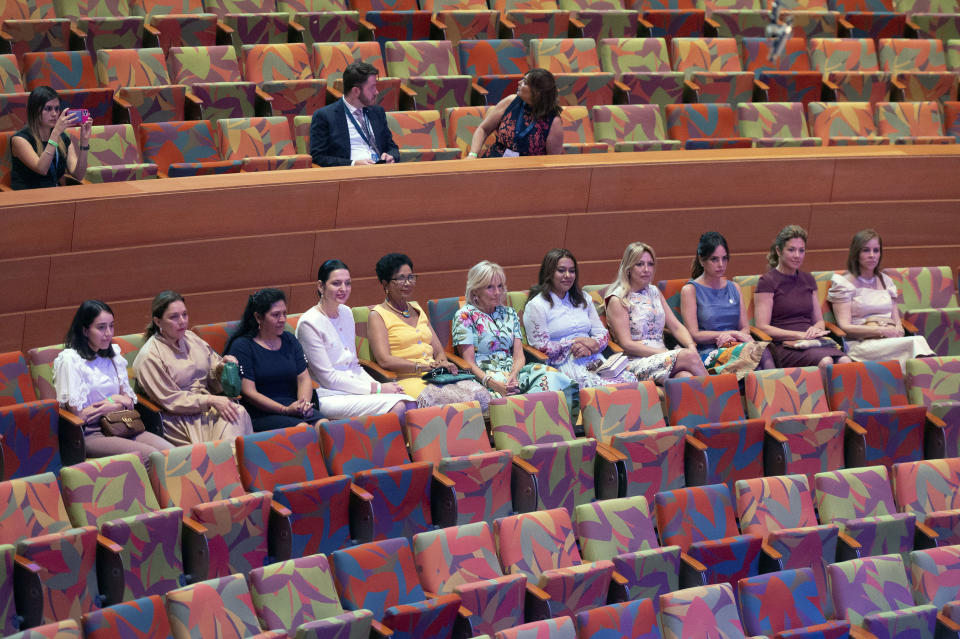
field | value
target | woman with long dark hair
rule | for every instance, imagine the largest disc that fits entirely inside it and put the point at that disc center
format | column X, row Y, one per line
column 41, row 151
column 91, row 379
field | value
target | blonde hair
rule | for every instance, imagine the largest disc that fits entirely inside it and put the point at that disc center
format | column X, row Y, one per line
column 633, row 252
column 787, row 233
column 480, row 275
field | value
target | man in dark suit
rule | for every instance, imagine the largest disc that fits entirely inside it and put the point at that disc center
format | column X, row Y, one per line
column 353, row 130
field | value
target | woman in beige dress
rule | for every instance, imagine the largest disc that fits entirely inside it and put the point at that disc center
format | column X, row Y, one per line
column 181, row 373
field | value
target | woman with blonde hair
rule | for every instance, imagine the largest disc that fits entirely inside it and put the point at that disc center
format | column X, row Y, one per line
column 487, row 334
column 637, row 314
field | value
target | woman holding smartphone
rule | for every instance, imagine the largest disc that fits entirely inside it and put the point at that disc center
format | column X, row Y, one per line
column 42, row 152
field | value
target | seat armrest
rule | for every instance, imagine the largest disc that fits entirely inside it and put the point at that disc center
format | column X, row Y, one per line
column 856, row 632
column 774, row 452
column 462, row 625
column 692, row 572
column 934, row 437
column 536, row 604
column 925, row 537
column 361, row 515
column 443, row 500
column 854, row 444
column 847, row 547
column 909, row 327
column 70, row 431
column 150, row 413
column 610, row 472
column 378, row 372
column 695, row 461
column 836, row 330
column 523, row 486
column 196, row 552
column 770, row 559
column 759, row 335
column 110, row 571
column 378, row 630
column 618, row 590
column 27, row 591
column 533, row 355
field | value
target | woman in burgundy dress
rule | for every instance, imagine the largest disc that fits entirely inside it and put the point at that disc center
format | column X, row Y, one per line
column 787, row 307
column 527, row 123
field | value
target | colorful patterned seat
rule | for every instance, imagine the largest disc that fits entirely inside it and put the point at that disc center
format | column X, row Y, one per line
column 405, row 498
column 103, row 24
column 495, row 65
column 325, row 20
column 462, row 560
column 542, row 546
column 283, row 72
column 6, row 168
column 713, row 66
column 242, row 22
column 874, row 395
column 60, row 580
column 844, row 123
column 931, row 490
column 793, row 403
column 72, row 75
column 213, row 75
column 419, row 134
column 621, row 531
column 394, row 19
column 301, row 132
column 298, row 597
column 631, row 127
column 30, row 428
column 9, row 620
column 773, row 124
column 179, row 23
column 870, row 18
column 932, row 382
column 219, row 608
column 933, row 580
column 203, row 480
column 951, row 119
column 672, row 18
column 576, row 67
column 32, row 25
column 113, row 494
column 577, row 132
column 780, row 509
column 850, row 69
column 141, row 84
column 701, row 611
column 382, row 577
column 704, row 126
column 911, row 123
column 114, row 154
column 184, row 148
column 919, row 65
column 860, row 502
column 461, row 123
column 631, row 619
column 464, row 19
column 13, row 97
column 289, row 463
column 603, row 18
column 68, row 629
column 454, row 439
column 264, row 144
column 701, row 521
column 558, row 628
column 710, row 408
column 787, row 602
column 874, row 594
column 628, row 419
column 938, row 19
column 529, row 19
column 331, row 58
column 788, row 78
column 144, row 618
column 536, row 427
column 429, row 69
column 928, row 298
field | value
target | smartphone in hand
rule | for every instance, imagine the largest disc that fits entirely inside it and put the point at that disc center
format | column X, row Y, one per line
column 83, row 115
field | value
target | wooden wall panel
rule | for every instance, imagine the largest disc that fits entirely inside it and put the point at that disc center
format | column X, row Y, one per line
column 36, row 229
column 887, row 178
column 899, row 223
column 11, row 332
column 23, row 284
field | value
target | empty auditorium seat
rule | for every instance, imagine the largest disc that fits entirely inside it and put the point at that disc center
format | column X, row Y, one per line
column 712, row 66
column 495, row 65
column 213, row 75
column 114, row 154
column 850, row 68
column 264, row 144
column 576, row 67
column 773, row 124
column 787, row 78
column 283, row 72
column 704, row 126
column 419, row 134
column 184, row 148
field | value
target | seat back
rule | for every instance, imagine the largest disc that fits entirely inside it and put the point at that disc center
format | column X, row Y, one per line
column 857, row 385
column 531, row 543
column 576, row 127
column 932, row 382
column 417, row 58
column 705, row 54
column 899, row 55
column 377, row 576
column 107, row 488
column 884, row 576
column 785, row 391
column 67, row 629
column 712, row 399
column 791, row 593
column 714, row 120
column 634, row 55
column 166, row 143
column 362, row 443
column 278, row 457
column 10, row 80
column 923, row 287
column 909, row 119
column 713, row 607
column 417, row 129
column 16, row 387
column 461, row 123
column 614, row 527
column 215, row 608
column 772, row 120
column 556, row 628
column 565, row 55
column 928, row 486
column 691, row 515
column 628, row 123
column 769, row 504
column 639, row 616
column 186, row 476
column 59, row 70
column 454, row 556
column 493, row 57
column 755, row 54
column 145, row 617
column 331, row 58
column 255, row 137
column 276, row 62
column 118, row 68
column 192, row 65
column 110, row 145
column 841, row 119
column 33, row 507
column 533, row 418
column 451, row 430
column 830, row 55
column 854, row 493
column 610, row 410
column 933, row 574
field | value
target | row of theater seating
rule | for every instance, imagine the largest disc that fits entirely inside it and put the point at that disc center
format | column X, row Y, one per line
column 134, row 85
column 197, row 147
column 51, row 25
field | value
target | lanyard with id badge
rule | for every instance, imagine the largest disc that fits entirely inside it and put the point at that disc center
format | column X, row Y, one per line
column 365, row 134
column 510, row 153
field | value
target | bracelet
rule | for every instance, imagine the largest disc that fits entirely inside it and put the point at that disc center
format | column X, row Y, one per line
column 483, row 382
column 84, row 148
column 52, row 143
column 471, row 154
column 417, row 369
column 379, row 387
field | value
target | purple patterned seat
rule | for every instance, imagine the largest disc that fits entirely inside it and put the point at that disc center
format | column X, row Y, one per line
column 495, row 65
column 102, row 24
column 68, row 629
column 701, row 521
column 289, row 463
column 381, row 577
column 141, row 84
column 30, row 428
column 780, row 509
column 931, row 490
column 462, row 560
column 542, row 546
column 241, row 22
column 298, row 597
column 558, row 628
column 788, row 78
column 928, row 294
column 283, row 72
column 874, row 594
column 463, row 19
column 180, row 23
column 621, row 531
column 933, row 382
column 60, row 580
column 631, row 619
column 787, row 604
column 408, row 497
column 213, row 75
column 531, row 19
column 860, row 501
column 144, row 618
column 203, row 480
column 429, row 70
column 704, row 611
column 536, row 427
column 220, row 608
column 934, row 573
column 773, row 124
column 325, row 20
column 874, row 395
column 631, row 127
column 603, row 18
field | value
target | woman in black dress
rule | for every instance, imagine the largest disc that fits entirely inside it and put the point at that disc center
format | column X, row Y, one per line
column 41, row 151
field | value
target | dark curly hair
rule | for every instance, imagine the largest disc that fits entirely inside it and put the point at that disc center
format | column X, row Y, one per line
column 389, row 264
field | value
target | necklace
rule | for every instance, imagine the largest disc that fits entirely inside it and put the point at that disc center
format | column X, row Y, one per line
column 405, row 314
column 868, row 282
column 336, row 312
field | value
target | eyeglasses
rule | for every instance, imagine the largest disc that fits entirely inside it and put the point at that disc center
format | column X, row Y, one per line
column 405, row 279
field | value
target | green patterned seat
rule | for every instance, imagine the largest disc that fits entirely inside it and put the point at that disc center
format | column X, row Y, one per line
column 219, row 608
column 114, row 154
column 921, row 66
column 928, row 298
column 331, row 58
column 911, row 123
column 850, row 68
column 632, row 127
column 264, row 144
column 325, row 20
column 575, row 64
column 213, row 75
column 419, row 134
column 773, row 124
column 105, row 24
column 844, row 123
column 577, row 132
column 429, row 69
column 181, row 23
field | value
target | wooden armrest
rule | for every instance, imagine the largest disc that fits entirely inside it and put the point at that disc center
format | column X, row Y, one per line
column 147, row 403
column 5, row 35
column 846, row 24
column 222, row 26
column 759, row 335
column 381, row 629
column 72, row 418
column 776, row 434
column 576, row 24
column 194, row 525
column 827, row 83
column 192, row 97
column 279, row 508
column 384, row 373
column 479, row 90
column 609, row 453
column 524, row 465
column 897, row 83
column 120, row 102
column 772, row 552
column 443, row 479
column 693, row 563
column 618, row 579
column 763, row 86
column 334, row 93
column 833, row 328
column 537, row 592
column 263, row 95
column 690, row 84
column 360, row 493
column 459, row 361
column 152, row 30
column 948, row 623
column 696, row 443
column 296, row 26
column 507, row 22
column 534, row 352
column 711, row 22
column 909, row 326
column 848, row 540
column 620, row 86
column 369, row 26
column 26, row 564
column 927, row 530
column 614, row 347
column 109, row 544
column 77, row 31
column 855, row 427
column 646, row 24
column 464, row 612
column 408, row 91
column 436, row 23
column 933, row 420
column 912, row 25
column 856, row 632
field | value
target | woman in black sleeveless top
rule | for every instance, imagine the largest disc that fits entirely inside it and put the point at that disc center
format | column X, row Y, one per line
column 42, row 152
